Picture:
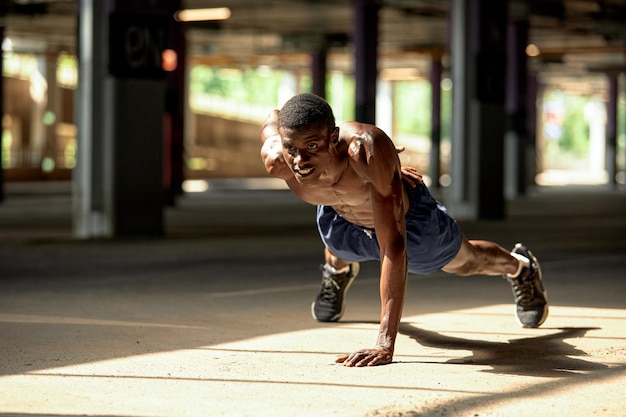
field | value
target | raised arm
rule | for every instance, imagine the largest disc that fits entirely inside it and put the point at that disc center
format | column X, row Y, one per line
column 377, row 160
column 271, row 148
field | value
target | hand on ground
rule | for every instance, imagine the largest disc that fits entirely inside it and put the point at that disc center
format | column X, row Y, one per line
column 367, row 357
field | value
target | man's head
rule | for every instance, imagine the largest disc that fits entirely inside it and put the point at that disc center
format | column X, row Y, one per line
column 306, row 110
column 309, row 136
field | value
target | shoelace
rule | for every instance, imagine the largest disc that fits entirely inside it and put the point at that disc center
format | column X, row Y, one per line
column 329, row 289
column 524, row 291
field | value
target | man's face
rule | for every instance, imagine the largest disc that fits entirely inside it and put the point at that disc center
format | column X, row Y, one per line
column 307, row 151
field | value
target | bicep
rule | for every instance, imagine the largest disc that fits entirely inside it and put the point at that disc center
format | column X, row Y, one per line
column 375, row 159
column 383, row 166
column 384, row 171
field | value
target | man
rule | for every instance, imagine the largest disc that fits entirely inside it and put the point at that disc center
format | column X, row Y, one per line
column 370, row 209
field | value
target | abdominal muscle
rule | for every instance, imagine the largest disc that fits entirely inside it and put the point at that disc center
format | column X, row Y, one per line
column 352, row 201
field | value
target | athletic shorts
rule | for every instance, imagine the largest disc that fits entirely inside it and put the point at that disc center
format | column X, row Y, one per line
column 433, row 237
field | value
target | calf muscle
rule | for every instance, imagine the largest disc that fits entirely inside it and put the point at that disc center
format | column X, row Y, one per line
column 481, row 257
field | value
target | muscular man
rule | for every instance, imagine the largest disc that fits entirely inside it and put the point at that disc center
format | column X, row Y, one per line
column 366, row 211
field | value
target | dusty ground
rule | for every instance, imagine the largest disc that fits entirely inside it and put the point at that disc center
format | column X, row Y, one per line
column 214, row 319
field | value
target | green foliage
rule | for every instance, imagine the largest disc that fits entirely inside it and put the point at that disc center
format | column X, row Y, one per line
column 575, row 137
column 412, row 107
column 340, row 94
column 251, row 86
column 205, row 79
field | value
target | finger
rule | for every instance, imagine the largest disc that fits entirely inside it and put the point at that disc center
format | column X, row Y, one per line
column 380, row 361
column 353, row 359
column 367, row 361
column 341, row 359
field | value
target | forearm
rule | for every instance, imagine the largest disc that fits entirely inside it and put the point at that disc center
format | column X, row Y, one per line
column 270, row 127
column 271, row 149
column 392, row 291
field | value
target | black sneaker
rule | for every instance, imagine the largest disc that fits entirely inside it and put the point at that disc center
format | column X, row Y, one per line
column 329, row 305
column 530, row 295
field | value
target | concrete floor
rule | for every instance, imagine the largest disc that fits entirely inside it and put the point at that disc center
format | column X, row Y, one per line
column 214, row 319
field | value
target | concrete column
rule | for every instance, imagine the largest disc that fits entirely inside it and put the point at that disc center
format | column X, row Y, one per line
column 532, row 155
column 462, row 190
column 516, row 138
column 365, row 38
column 89, row 179
column 119, row 181
column 611, row 129
column 318, row 71
column 1, row 103
column 478, row 71
column 175, row 108
column 436, row 69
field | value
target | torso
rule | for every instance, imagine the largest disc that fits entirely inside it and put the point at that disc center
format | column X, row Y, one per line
column 349, row 193
column 350, row 197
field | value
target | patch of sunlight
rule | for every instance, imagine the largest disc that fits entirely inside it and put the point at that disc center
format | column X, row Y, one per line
column 560, row 177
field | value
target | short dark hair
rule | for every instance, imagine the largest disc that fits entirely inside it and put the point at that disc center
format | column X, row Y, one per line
column 305, row 110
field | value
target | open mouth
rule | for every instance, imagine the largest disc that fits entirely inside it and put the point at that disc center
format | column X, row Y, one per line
column 303, row 171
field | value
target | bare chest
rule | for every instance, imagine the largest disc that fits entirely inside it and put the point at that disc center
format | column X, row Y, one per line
column 354, row 193
column 351, row 198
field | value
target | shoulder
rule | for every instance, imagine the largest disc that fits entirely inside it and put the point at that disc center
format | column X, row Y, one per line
column 372, row 155
column 365, row 140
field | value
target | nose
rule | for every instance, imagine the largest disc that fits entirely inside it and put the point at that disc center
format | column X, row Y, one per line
column 300, row 157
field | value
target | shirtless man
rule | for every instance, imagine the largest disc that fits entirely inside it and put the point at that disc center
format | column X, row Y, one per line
column 367, row 210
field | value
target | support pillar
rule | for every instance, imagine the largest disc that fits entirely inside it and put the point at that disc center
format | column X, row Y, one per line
column 516, row 138
column 90, row 219
column 1, row 103
column 175, row 107
column 478, row 71
column 436, row 70
column 532, row 153
column 118, row 181
column 318, row 71
column 611, row 129
column 365, row 38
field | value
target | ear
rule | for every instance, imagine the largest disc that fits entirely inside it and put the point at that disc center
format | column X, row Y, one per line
column 334, row 136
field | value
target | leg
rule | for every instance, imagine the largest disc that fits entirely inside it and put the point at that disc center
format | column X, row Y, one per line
column 334, row 261
column 337, row 276
column 481, row 257
column 519, row 267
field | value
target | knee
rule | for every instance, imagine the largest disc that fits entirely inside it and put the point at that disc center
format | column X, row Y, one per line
column 466, row 262
column 333, row 260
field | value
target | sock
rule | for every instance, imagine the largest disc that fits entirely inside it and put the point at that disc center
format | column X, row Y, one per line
column 338, row 271
column 524, row 262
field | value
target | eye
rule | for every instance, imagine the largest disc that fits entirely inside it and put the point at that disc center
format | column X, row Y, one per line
column 289, row 148
column 312, row 146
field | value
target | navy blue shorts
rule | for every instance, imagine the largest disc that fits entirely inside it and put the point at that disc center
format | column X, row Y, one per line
column 433, row 237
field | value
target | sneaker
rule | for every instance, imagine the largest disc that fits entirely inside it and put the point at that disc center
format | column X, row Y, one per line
column 530, row 296
column 329, row 304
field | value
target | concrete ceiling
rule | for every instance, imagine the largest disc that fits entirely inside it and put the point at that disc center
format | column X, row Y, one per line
column 575, row 37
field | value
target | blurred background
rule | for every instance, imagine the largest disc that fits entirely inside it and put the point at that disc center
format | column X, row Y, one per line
column 225, row 71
